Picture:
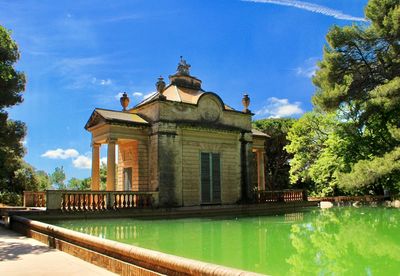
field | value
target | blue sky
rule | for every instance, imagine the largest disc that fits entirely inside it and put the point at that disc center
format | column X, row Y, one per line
column 79, row 55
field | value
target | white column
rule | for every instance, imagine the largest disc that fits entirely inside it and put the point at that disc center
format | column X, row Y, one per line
column 111, row 165
column 95, row 186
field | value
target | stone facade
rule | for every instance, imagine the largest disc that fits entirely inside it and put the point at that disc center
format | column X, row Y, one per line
column 184, row 143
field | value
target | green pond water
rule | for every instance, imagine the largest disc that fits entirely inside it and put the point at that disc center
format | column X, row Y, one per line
column 337, row 241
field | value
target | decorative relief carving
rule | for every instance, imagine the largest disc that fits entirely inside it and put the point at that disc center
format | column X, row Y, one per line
column 209, row 109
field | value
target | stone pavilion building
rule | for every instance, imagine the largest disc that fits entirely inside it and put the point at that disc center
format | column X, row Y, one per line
column 183, row 142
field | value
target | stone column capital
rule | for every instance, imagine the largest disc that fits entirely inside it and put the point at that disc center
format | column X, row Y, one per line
column 112, row 140
column 95, row 145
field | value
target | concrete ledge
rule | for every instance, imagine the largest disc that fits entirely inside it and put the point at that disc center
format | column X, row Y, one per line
column 172, row 213
column 117, row 257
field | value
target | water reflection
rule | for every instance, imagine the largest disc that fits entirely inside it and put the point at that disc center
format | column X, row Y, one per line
column 347, row 241
column 336, row 241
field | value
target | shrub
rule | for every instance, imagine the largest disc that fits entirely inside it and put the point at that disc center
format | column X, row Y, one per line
column 9, row 198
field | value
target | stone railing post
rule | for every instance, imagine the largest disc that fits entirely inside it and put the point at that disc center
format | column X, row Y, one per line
column 53, row 199
column 110, row 200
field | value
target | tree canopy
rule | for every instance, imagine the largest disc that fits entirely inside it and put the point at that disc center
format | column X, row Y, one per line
column 57, row 178
column 13, row 170
column 353, row 133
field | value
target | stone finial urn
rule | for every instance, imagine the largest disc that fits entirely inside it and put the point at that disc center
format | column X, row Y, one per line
column 246, row 103
column 160, row 85
column 124, row 100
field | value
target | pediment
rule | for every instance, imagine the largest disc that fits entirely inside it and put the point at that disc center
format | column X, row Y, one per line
column 95, row 119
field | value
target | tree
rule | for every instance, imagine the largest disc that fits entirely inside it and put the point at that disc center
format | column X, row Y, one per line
column 79, row 184
column 26, row 178
column 103, row 176
column 44, row 182
column 277, row 158
column 12, row 84
column 358, row 86
column 58, row 177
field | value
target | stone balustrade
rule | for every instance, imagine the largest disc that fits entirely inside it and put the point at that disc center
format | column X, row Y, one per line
column 281, row 196
column 34, row 199
column 99, row 200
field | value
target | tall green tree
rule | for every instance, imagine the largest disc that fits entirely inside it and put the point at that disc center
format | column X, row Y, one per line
column 358, row 87
column 58, row 178
column 12, row 84
column 44, row 182
column 277, row 158
column 26, row 178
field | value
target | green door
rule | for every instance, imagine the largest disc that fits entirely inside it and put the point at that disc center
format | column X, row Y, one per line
column 210, row 178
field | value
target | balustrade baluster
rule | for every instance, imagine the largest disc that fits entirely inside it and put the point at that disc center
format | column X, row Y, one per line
column 79, row 202
column 68, row 202
column 84, row 202
column 99, row 202
column 119, row 201
column 42, row 201
column 34, row 200
column 116, row 199
column 94, row 202
column 129, row 200
column 103, row 202
column 88, row 202
column 72, row 200
column 63, row 203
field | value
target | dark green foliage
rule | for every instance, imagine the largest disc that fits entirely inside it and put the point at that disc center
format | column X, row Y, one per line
column 12, row 82
column 10, row 199
column 15, row 175
column 26, row 178
column 277, row 158
column 358, row 88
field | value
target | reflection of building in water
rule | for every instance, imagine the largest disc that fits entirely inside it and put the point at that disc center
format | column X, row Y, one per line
column 182, row 142
column 294, row 217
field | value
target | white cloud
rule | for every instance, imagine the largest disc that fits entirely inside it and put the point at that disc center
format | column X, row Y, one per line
column 66, row 65
column 61, row 154
column 311, row 7
column 105, row 82
column 278, row 108
column 82, row 162
column 137, row 94
column 103, row 160
column 307, row 72
column 100, row 81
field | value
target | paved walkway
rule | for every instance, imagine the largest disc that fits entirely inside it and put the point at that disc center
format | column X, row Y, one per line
column 20, row 255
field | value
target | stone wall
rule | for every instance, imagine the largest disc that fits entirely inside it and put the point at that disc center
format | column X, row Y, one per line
column 195, row 141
